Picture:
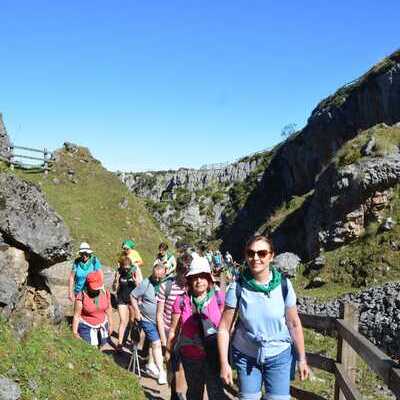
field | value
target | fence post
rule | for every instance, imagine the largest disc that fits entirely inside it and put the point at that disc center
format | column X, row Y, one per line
column 45, row 163
column 345, row 354
column 11, row 157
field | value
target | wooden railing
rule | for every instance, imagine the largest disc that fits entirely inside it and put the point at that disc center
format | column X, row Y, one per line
column 350, row 345
column 17, row 160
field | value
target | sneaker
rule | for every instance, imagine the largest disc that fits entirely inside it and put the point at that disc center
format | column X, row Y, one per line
column 162, row 378
column 152, row 370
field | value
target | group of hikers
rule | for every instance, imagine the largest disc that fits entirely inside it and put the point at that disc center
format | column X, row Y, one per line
column 195, row 329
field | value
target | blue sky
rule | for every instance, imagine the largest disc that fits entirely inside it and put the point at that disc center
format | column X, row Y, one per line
column 167, row 83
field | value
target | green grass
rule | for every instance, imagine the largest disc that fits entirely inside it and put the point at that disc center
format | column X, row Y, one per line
column 90, row 208
column 331, row 290
column 387, row 141
column 283, row 212
column 62, row 367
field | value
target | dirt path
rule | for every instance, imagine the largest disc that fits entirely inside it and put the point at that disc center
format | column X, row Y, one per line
column 152, row 390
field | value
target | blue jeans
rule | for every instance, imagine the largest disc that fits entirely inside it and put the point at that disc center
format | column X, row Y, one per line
column 150, row 330
column 274, row 373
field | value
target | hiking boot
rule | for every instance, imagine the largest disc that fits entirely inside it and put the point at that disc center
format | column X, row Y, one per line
column 162, row 378
column 152, row 370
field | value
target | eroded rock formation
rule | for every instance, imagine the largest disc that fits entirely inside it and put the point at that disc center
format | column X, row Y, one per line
column 4, row 139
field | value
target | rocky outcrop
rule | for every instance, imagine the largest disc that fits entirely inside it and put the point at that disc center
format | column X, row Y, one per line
column 33, row 237
column 14, row 269
column 345, row 200
column 56, row 280
column 297, row 163
column 287, row 263
column 4, row 140
column 28, row 222
column 159, row 185
column 379, row 318
column 9, row 390
column 191, row 200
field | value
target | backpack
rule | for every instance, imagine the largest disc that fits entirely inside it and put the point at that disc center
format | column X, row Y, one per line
column 217, row 260
column 209, row 341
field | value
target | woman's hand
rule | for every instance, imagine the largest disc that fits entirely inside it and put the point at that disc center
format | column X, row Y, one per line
column 167, row 356
column 138, row 316
column 76, row 335
column 226, row 374
column 304, row 371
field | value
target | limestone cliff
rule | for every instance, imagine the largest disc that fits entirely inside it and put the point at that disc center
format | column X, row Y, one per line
column 299, row 161
column 189, row 203
column 316, row 191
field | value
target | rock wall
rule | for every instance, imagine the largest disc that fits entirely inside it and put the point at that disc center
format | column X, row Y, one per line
column 345, row 200
column 33, row 237
column 379, row 318
column 298, row 162
column 159, row 184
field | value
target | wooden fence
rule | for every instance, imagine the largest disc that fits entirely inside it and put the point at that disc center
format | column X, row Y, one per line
column 350, row 345
column 18, row 159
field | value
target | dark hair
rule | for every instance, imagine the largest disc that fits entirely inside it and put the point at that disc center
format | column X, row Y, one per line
column 259, row 238
column 163, row 246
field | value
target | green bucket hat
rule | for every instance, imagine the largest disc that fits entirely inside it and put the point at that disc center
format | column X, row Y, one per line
column 130, row 244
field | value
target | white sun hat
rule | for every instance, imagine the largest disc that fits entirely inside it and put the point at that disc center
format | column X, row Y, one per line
column 199, row 265
column 85, row 248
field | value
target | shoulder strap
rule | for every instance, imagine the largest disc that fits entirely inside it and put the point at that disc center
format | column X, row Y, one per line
column 284, row 287
column 168, row 288
column 219, row 299
column 238, row 292
column 181, row 302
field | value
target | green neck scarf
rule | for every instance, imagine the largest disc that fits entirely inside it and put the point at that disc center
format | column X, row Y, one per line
column 247, row 281
column 199, row 303
column 156, row 284
column 85, row 265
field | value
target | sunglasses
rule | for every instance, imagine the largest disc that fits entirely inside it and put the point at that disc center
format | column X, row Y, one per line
column 85, row 254
column 260, row 253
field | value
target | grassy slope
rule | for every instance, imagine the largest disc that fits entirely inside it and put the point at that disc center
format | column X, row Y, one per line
column 51, row 364
column 91, row 210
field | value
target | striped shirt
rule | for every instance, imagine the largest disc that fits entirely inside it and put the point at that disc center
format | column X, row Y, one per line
column 176, row 290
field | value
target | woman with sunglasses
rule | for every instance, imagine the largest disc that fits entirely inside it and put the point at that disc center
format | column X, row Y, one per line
column 267, row 327
column 198, row 313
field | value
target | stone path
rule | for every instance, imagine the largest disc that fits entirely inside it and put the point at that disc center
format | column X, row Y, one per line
column 152, row 390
